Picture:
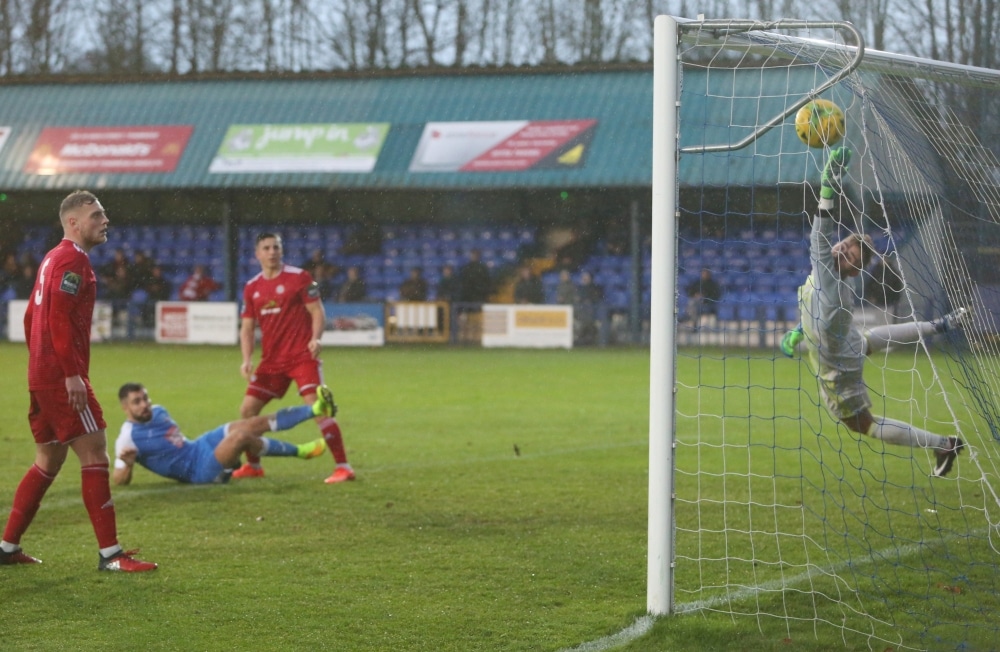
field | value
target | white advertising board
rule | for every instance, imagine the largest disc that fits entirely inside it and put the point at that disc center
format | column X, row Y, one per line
column 100, row 329
column 197, row 322
column 528, row 326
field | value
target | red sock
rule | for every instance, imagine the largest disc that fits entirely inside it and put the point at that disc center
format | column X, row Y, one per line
column 334, row 439
column 27, row 498
column 96, row 488
column 252, row 459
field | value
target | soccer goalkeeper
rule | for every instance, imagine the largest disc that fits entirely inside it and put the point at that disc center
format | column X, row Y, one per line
column 836, row 348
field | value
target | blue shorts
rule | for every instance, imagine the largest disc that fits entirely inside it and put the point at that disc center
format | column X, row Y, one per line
column 205, row 469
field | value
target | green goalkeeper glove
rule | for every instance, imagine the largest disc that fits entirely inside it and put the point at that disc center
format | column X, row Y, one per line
column 835, row 166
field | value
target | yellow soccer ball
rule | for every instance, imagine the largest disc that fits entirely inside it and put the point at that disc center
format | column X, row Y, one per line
column 820, row 123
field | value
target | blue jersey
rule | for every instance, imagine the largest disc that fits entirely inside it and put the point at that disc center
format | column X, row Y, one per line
column 160, row 446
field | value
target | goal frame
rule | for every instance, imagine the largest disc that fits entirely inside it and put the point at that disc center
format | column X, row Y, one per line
column 663, row 279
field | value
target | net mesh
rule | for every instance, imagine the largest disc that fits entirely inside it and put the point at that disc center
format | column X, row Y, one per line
column 782, row 512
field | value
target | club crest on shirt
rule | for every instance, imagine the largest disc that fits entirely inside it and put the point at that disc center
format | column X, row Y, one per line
column 70, row 283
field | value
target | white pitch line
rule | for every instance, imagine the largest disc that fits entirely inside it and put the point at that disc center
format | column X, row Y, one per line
column 642, row 625
column 627, row 635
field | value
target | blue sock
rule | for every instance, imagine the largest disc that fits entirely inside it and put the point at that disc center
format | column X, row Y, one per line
column 289, row 417
column 276, row 447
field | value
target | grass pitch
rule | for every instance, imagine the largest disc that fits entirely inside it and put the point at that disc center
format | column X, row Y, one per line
column 500, row 505
column 450, row 539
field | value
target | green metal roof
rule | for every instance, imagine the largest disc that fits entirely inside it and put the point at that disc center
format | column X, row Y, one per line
column 619, row 154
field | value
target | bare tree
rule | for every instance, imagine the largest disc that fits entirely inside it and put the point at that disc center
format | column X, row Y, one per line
column 364, row 34
column 8, row 12
column 120, row 31
column 44, row 46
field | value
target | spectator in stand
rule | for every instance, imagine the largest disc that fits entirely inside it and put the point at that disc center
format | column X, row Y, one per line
column 158, row 288
column 576, row 250
column 590, row 296
column 324, row 276
column 415, row 287
column 117, row 279
column 142, row 269
column 317, row 262
column 447, row 286
column 199, row 286
column 11, row 237
column 10, row 273
column 704, row 294
column 528, row 288
column 24, row 284
column 566, row 293
column 474, row 280
column 354, row 289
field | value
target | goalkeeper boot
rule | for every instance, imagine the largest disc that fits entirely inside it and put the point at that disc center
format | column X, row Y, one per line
column 324, row 405
column 124, row 562
column 830, row 184
column 954, row 320
column 946, row 457
column 791, row 341
column 312, row 449
column 17, row 557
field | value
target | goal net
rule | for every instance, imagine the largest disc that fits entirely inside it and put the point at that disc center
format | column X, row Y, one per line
column 762, row 504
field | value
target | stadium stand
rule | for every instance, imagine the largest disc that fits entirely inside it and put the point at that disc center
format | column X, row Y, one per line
column 760, row 272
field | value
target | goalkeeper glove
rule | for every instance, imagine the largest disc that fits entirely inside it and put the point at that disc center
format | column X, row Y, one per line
column 835, row 166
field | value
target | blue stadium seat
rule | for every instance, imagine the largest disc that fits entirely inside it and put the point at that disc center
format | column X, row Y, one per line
column 617, row 299
column 726, row 311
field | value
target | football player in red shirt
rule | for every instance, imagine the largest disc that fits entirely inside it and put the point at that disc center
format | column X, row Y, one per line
column 64, row 413
column 284, row 301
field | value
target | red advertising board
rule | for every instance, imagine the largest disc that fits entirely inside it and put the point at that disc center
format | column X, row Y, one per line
column 530, row 146
column 172, row 323
column 68, row 150
column 503, row 146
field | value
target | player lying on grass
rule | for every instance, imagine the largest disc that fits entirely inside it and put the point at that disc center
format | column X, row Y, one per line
column 152, row 438
column 836, row 348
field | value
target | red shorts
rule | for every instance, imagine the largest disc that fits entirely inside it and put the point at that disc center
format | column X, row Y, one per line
column 53, row 420
column 267, row 386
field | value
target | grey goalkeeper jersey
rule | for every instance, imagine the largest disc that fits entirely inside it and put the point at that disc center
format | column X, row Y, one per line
column 826, row 303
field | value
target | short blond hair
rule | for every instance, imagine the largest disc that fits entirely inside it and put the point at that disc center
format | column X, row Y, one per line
column 75, row 200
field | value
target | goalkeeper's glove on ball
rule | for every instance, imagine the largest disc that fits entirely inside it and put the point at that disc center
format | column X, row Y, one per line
column 835, row 166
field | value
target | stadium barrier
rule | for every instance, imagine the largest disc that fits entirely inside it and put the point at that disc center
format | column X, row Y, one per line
column 417, row 321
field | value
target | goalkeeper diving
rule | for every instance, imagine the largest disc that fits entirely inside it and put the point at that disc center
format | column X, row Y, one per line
column 835, row 347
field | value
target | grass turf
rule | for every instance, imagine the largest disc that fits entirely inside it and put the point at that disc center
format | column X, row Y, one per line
column 500, row 505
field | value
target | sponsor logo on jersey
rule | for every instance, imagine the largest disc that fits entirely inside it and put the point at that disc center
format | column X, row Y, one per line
column 71, row 282
column 270, row 308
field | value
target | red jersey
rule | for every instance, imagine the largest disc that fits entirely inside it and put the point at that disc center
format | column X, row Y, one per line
column 278, row 305
column 60, row 312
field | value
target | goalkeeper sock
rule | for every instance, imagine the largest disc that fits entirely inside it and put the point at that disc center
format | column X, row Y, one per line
column 882, row 338
column 830, row 184
column 903, row 434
